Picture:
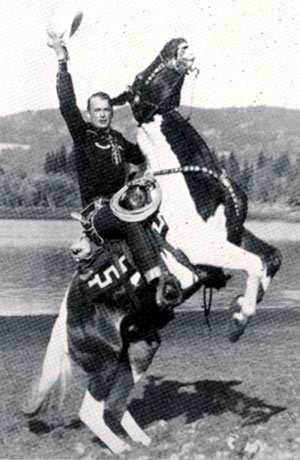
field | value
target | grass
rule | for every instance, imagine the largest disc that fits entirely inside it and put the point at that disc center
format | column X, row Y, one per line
column 203, row 398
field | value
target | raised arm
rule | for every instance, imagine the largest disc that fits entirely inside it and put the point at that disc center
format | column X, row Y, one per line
column 65, row 91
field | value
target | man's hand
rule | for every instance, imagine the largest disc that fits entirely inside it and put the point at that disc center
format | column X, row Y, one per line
column 57, row 43
column 135, row 171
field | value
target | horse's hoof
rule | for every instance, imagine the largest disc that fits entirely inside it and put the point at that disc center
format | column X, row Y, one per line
column 236, row 329
column 237, row 323
column 30, row 409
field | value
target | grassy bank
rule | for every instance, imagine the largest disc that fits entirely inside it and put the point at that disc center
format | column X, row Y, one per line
column 202, row 398
column 274, row 211
column 261, row 211
column 36, row 213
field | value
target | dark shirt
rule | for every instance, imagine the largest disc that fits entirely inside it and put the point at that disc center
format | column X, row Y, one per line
column 101, row 157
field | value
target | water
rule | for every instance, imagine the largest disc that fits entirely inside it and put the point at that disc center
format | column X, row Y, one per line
column 36, row 266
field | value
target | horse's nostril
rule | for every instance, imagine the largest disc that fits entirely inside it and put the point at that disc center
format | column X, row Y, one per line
column 75, row 251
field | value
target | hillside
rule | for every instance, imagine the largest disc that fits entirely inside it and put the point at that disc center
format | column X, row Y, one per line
column 244, row 131
column 248, row 131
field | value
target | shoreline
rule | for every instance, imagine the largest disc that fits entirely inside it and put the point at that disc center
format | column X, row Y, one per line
column 182, row 309
column 48, row 318
column 256, row 211
column 276, row 211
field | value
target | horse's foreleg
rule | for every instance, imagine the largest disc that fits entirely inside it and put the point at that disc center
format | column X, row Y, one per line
column 271, row 258
column 223, row 254
column 244, row 307
column 229, row 256
column 270, row 255
column 92, row 414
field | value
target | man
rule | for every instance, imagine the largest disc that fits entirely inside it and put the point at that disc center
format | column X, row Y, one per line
column 101, row 157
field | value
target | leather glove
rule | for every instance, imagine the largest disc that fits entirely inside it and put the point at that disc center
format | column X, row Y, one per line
column 58, row 44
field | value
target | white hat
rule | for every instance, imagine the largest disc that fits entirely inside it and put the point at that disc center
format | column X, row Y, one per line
column 65, row 21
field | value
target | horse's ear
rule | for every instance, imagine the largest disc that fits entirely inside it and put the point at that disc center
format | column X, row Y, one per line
column 123, row 98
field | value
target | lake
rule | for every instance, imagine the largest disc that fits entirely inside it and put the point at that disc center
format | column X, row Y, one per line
column 36, row 266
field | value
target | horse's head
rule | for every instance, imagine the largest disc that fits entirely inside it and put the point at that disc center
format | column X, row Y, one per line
column 157, row 89
column 177, row 55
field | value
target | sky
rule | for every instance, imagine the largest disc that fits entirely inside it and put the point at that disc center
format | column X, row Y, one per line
column 247, row 51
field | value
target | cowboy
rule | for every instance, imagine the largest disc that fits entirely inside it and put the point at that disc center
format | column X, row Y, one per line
column 102, row 156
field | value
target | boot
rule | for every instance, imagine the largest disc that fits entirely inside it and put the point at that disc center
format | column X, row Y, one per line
column 168, row 292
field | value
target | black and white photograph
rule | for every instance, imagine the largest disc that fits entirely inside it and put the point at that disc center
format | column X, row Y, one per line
column 150, row 230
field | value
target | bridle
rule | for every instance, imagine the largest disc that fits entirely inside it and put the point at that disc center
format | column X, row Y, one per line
column 157, row 107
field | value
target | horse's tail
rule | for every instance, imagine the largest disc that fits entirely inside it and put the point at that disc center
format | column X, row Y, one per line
column 56, row 368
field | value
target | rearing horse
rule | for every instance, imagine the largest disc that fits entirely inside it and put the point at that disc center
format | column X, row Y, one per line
column 204, row 209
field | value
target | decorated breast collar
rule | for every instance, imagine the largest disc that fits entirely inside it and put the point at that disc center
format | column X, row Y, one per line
column 179, row 68
column 157, row 69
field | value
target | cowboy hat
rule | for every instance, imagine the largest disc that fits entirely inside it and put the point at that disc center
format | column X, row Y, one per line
column 65, row 22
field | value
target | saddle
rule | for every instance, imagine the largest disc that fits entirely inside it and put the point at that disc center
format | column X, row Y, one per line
column 137, row 201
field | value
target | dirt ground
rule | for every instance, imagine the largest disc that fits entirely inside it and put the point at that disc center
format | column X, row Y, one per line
column 203, row 398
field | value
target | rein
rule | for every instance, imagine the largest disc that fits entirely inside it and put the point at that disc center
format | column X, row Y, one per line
column 222, row 178
column 197, row 72
column 207, row 305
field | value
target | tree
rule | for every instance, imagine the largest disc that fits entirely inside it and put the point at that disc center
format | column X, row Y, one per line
column 56, row 162
column 61, row 160
column 247, row 176
column 222, row 162
column 71, row 164
column 282, row 166
column 233, row 168
column 261, row 160
column 49, row 163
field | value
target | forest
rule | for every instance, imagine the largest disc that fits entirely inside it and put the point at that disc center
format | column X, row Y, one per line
column 268, row 180
column 258, row 147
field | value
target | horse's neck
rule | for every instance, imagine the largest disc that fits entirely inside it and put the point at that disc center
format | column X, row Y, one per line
column 155, row 147
column 166, row 91
column 169, row 141
column 158, row 90
column 189, row 146
column 158, row 83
